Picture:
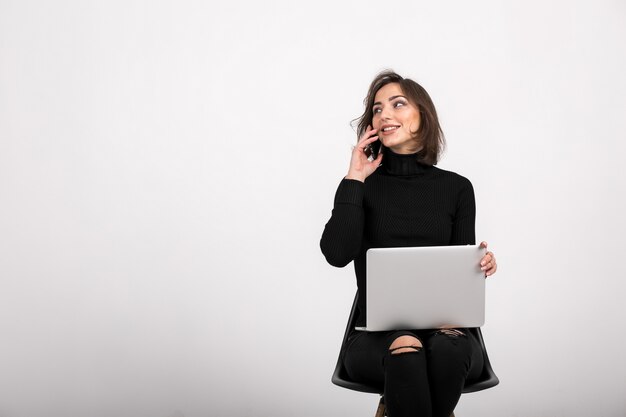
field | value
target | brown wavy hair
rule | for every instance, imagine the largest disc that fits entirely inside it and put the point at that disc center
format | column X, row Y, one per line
column 429, row 132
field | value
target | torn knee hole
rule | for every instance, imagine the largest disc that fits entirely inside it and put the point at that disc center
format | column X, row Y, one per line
column 451, row 332
column 405, row 343
column 404, row 349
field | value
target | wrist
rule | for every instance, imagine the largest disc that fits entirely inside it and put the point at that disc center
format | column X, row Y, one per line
column 355, row 176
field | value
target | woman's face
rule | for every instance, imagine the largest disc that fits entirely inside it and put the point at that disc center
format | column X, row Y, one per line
column 396, row 119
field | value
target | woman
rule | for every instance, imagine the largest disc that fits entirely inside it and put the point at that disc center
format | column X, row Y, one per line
column 399, row 198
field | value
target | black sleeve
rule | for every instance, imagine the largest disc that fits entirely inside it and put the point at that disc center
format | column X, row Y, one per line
column 343, row 234
column 463, row 229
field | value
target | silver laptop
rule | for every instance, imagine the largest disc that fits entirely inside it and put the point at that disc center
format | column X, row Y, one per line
column 424, row 288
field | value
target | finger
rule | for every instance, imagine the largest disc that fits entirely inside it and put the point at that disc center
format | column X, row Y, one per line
column 483, row 244
column 487, row 262
column 369, row 130
column 490, row 268
column 367, row 135
column 363, row 143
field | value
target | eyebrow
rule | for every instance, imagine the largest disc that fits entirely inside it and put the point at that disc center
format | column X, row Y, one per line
column 390, row 98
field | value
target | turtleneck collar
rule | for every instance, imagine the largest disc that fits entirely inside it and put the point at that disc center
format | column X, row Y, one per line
column 402, row 164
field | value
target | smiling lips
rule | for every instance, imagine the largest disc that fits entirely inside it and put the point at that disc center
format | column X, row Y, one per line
column 389, row 129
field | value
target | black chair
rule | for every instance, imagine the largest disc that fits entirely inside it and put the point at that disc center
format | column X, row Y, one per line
column 340, row 377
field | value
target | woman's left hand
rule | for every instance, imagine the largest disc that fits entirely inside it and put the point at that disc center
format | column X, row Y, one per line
column 488, row 263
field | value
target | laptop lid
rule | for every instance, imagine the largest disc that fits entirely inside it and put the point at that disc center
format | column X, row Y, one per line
column 424, row 287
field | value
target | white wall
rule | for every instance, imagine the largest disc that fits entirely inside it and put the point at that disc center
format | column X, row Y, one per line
column 167, row 168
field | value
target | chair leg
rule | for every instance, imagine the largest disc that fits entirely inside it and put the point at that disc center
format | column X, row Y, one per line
column 380, row 411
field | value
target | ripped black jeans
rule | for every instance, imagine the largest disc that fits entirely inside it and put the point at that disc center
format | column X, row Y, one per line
column 426, row 381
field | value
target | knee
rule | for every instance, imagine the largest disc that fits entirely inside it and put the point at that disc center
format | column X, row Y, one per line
column 452, row 340
column 405, row 343
column 405, row 367
column 451, row 332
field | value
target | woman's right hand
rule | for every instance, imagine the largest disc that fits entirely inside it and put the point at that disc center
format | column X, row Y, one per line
column 360, row 166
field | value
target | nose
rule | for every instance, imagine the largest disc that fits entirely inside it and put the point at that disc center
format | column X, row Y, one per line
column 384, row 113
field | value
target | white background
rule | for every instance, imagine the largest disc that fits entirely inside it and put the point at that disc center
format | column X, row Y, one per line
column 167, row 169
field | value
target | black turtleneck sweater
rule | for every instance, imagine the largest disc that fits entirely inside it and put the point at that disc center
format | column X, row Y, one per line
column 403, row 203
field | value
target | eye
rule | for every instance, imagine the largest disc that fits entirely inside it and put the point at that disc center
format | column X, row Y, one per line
column 398, row 103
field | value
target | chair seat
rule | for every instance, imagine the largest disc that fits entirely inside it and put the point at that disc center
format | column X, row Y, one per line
column 340, row 377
